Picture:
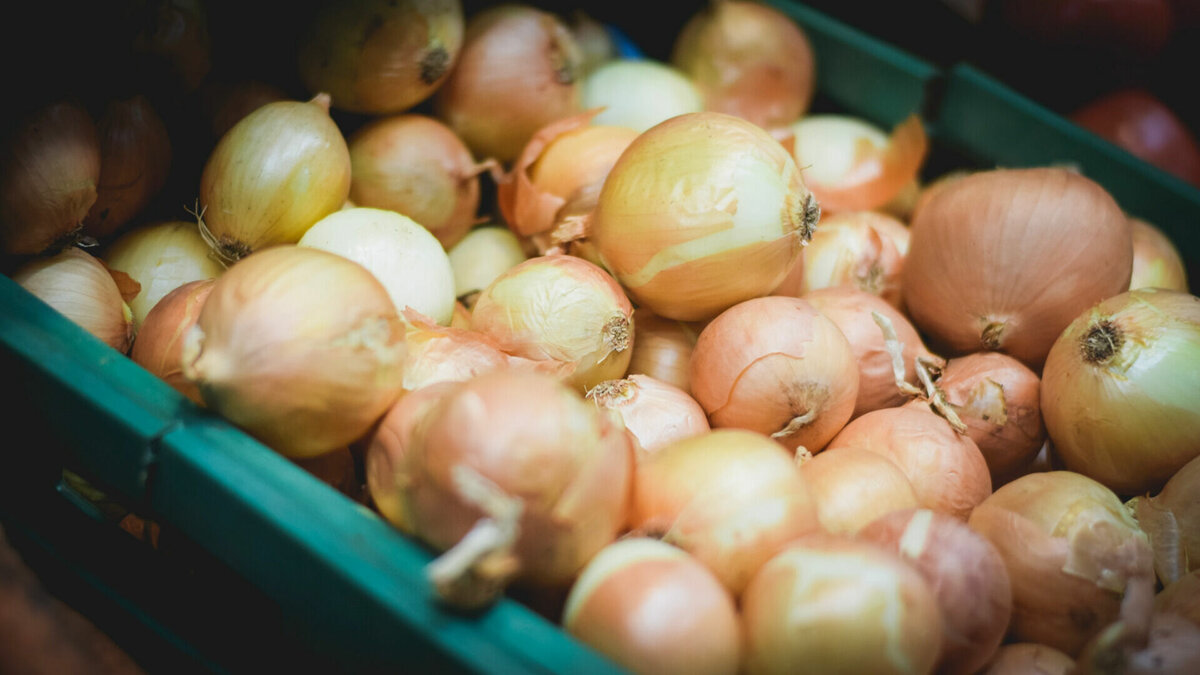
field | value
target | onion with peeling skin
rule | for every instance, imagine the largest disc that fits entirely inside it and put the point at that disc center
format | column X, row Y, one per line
column 966, row 574
column 853, row 487
column 1027, row 658
column 639, row 93
column 78, row 286
column 653, row 609
column 860, row 249
column 158, row 346
column 135, row 157
column 655, row 413
column 1156, row 261
column 1070, row 549
column 663, row 349
column 1172, row 520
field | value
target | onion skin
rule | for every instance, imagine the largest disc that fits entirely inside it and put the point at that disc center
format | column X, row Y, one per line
column 48, row 178
column 1156, row 261
column 986, row 268
column 159, row 344
column 1181, row 597
column 662, row 350
column 655, row 413
column 1027, row 658
column 135, row 158
column 653, row 609
column 966, row 574
column 1172, row 520
column 1119, row 389
column 78, row 286
column 858, row 249
column 854, row 487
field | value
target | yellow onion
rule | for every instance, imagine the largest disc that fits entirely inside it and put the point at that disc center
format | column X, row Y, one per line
column 731, row 498
column 563, row 309
column 482, row 255
column 653, row 609
column 49, row 171
column 1119, row 390
column 1027, row 658
column 135, row 157
column 946, row 469
column 1069, row 548
column 381, row 56
column 967, row 576
column 300, row 347
column 749, row 60
column 654, row 413
column 860, row 249
column 403, row 256
column 1171, row 518
column 226, row 103
column 416, row 166
column 853, row 487
column 1156, row 261
column 663, row 349
column 158, row 346
column 700, row 213
column 161, row 257
column 850, row 165
column 829, row 604
column 280, row 169
column 1181, row 597
column 986, row 267
column 78, row 286
column 777, row 366
column 638, row 93
column 518, row 70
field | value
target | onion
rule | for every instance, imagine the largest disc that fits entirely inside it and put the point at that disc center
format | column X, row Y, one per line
column 275, row 173
column 79, row 286
column 986, row 267
column 482, row 255
column 416, row 166
column 852, row 311
column 1169, row 645
column 946, row 469
column 517, row 72
column 380, row 57
column 731, row 498
column 749, row 60
column 860, row 249
column 1142, row 124
column 161, row 257
column 159, row 344
column 1181, row 597
column 404, row 256
column 1156, row 261
column 663, row 349
column 853, row 487
column 967, row 576
column 652, row 608
column 1172, row 520
column 226, row 103
column 49, row 171
column 175, row 34
column 300, row 347
column 1026, row 658
column 654, row 413
column 1069, row 548
column 1119, row 389
column 639, row 93
column 828, row 604
column 135, row 156
column 564, row 309
column 850, row 165
column 777, row 366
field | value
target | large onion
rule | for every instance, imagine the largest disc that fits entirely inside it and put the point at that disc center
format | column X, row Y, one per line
column 78, row 286
column 1119, row 391
column 135, row 156
column 1003, row 260
column 701, row 212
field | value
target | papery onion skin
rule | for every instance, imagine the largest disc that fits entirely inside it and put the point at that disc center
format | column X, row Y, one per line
column 663, row 349
column 300, row 347
column 1172, row 520
column 48, row 178
column 1027, row 658
column 379, row 57
column 986, row 269
column 966, row 574
column 777, row 366
column 1119, row 389
column 1070, row 548
column 158, row 346
column 857, row 249
column 78, row 286
column 653, row 609
column 416, row 166
column 655, row 413
column 701, row 212
column 1156, row 261
column 853, row 487
column 829, row 604
column 639, row 93
column 135, row 158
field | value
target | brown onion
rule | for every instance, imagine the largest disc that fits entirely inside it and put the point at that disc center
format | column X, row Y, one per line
column 663, row 349
column 653, row 609
column 1027, row 658
column 381, row 57
column 135, row 157
column 159, row 344
column 749, row 60
column 1156, row 261
column 986, row 267
column 853, row 487
column 78, row 286
column 860, row 249
column 517, row 71
column 967, row 576
column 1172, row 520
column 49, row 171
column 655, row 413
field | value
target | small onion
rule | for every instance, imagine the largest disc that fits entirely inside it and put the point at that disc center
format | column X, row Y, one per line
column 860, row 249
column 280, row 169
column 1172, row 520
column 416, row 166
column 853, row 487
column 159, row 344
column 653, row 609
column 1119, row 390
column 986, row 267
column 300, row 347
column 663, row 349
column 655, row 413
column 777, row 366
column 701, row 212
column 404, row 256
column 639, row 93
column 966, row 574
column 135, row 157
column 78, row 286
column 829, row 604
column 482, row 255
column 1070, row 548
column 1027, row 658
column 161, row 257
column 749, row 60
column 1156, row 261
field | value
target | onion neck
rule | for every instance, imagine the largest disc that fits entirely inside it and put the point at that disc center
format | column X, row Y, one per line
column 617, row 333
column 992, row 337
column 1101, row 343
column 809, row 217
column 435, row 63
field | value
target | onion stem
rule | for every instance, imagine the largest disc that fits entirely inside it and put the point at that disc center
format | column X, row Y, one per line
column 895, row 349
column 937, row 398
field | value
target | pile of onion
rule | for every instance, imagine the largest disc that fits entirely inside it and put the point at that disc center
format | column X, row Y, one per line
column 78, row 286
